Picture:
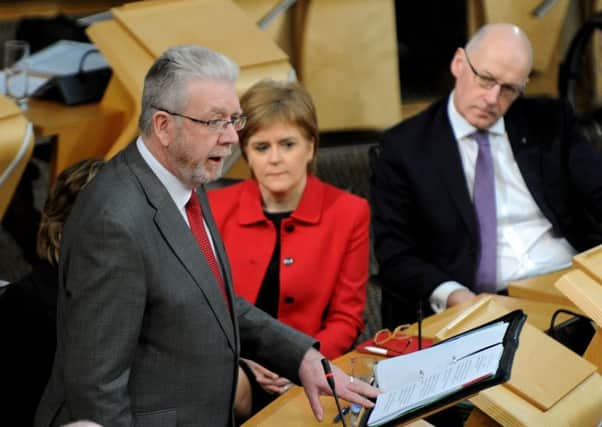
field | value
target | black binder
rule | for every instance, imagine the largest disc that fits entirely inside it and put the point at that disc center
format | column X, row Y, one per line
column 515, row 320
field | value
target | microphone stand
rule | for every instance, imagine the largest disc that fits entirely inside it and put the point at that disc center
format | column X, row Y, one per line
column 420, row 324
column 330, row 379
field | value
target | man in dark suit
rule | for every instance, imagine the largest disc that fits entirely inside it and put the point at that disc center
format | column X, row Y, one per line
column 483, row 187
column 149, row 330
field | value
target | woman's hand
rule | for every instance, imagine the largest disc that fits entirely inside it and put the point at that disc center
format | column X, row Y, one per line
column 268, row 380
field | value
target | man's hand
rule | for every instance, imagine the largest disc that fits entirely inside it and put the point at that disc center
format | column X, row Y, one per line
column 314, row 382
column 268, row 380
column 459, row 296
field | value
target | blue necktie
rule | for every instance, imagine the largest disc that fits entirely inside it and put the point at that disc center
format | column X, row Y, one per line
column 484, row 203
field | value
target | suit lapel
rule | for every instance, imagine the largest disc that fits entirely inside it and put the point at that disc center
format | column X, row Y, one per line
column 444, row 149
column 177, row 235
column 527, row 154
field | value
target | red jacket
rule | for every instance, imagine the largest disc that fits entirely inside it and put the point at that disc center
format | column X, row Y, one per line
column 324, row 257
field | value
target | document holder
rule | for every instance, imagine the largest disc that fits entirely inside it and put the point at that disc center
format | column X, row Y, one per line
column 550, row 385
column 515, row 320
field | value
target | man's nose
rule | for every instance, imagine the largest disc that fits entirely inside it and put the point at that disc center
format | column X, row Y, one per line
column 229, row 135
column 493, row 94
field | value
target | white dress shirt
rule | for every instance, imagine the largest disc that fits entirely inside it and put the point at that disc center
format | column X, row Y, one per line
column 526, row 246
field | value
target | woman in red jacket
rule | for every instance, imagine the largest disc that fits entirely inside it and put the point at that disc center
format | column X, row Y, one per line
column 298, row 247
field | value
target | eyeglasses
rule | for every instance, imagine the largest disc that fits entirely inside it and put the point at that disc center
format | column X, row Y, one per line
column 385, row 335
column 219, row 125
column 507, row 91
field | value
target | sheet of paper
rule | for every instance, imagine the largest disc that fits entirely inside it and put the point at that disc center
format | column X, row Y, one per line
column 33, row 83
column 436, row 384
column 397, row 371
column 63, row 58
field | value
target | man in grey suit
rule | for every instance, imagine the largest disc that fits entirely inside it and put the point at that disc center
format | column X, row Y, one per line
column 148, row 333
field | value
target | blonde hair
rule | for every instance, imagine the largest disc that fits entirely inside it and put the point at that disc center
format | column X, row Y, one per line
column 59, row 202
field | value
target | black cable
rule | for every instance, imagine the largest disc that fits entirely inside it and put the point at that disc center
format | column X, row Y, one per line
column 563, row 311
column 80, row 68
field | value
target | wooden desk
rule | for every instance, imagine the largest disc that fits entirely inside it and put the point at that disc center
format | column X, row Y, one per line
column 292, row 408
column 541, row 288
column 15, row 10
column 83, row 131
column 582, row 406
column 539, row 314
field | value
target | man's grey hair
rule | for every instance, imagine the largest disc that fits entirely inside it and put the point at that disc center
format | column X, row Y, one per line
column 166, row 81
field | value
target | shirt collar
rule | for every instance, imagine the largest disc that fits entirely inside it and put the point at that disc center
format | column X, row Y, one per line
column 178, row 191
column 462, row 128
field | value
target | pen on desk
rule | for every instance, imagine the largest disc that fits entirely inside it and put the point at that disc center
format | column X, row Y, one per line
column 381, row 351
column 344, row 411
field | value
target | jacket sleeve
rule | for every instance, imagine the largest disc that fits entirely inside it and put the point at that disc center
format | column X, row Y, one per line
column 344, row 321
column 270, row 342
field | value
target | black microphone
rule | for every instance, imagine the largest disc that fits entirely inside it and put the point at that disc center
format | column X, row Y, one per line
column 330, row 379
column 420, row 324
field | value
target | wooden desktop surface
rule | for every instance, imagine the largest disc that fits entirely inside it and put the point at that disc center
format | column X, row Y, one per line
column 292, row 408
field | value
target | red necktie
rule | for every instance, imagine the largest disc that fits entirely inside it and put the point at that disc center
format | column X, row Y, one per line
column 195, row 218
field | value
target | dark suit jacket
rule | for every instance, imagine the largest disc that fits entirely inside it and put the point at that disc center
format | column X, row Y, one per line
column 28, row 342
column 425, row 227
column 145, row 337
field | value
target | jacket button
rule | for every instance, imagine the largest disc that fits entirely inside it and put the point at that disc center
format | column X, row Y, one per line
column 289, row 228
column 288, row 261
column 289, row 300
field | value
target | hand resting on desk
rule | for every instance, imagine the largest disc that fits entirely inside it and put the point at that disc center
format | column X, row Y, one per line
column 459, row 296
column 314, row 382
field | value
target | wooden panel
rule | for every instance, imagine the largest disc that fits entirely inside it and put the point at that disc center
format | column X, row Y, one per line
column 590, row 262
column 15, row 150
column 543, row 32
column 540, row 288
column 349, row 63
column 19, row 9
column 218, row 25
column 594, row 350
column 585, row 292
column 130, row 61
column 581, row 407
column 544, row 370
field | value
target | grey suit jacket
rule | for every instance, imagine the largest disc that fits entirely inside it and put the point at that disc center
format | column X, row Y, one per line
column 145, row 337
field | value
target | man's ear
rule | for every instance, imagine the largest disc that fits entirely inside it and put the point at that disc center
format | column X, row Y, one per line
column 161, row 125
column 457, row 62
